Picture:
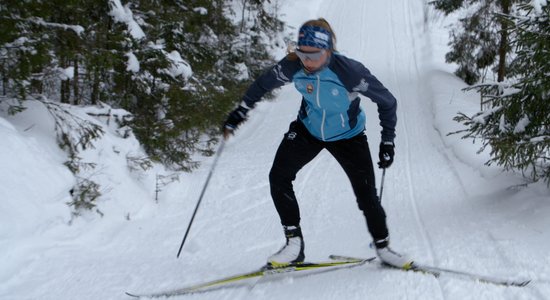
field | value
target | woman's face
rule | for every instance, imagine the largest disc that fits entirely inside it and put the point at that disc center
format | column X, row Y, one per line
column 312, row 58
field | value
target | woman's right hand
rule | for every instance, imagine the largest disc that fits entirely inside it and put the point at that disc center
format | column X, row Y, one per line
column 234, row 119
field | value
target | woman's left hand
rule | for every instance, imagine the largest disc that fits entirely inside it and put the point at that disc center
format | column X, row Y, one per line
column 387, row 151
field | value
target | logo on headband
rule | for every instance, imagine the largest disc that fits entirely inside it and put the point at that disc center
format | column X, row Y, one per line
column 322, row 36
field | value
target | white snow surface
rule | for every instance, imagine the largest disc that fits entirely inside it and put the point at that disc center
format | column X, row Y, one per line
column 444, row 207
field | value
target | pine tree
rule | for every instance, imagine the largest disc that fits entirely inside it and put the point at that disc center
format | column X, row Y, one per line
column 79, row 52
column 176, row 117
column 480, row 41
column 25, row 48
column 517, row 127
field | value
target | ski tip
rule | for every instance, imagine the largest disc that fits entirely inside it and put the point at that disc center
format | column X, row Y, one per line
column 522, row 283
column 132, row 295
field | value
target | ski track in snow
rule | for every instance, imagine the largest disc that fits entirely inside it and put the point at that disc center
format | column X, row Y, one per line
column 398, row 72
column 405, row 124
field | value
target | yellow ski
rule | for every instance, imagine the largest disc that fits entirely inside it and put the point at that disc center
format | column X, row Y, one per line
column 237, row 280
column 438, row 271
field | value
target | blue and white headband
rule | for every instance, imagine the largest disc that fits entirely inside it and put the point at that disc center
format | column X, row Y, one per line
column 315, row 36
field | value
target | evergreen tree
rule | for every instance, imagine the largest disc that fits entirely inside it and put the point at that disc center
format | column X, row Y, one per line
column 178, row 116
column 517, row 127
column 480, row 41
column 25, row 48
column 177, row 66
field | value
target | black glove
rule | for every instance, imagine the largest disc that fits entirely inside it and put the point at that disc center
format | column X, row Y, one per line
column 234, row 119
column 386, row 154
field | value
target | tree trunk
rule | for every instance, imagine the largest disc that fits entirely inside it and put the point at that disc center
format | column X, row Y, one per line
column 65, row 90
column 503, row 45
column 4, row 78
column 64, row 93
column 76, row 91
column 243, row 2
column 95, row 88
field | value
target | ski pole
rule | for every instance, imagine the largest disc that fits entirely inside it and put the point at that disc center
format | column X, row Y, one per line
column 382, row 184
column 220, row 149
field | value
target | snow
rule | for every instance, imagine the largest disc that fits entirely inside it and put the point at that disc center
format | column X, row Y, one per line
column 178, row 66
column 132, row 64
column 537, row 5
column 522, row 124
column 242, row 71
column 66, row 73
column 76, row 28
column 201, row 10
column 123, row 14
column 444, row 206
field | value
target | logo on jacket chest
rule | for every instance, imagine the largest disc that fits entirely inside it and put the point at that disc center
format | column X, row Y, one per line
column 309, row 88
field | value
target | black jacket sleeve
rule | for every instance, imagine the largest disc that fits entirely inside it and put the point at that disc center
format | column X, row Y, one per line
column 274, row 77
column 357, row 78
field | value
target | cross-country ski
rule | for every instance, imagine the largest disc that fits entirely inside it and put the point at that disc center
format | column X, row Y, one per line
column 303, row 269
column 438, row 271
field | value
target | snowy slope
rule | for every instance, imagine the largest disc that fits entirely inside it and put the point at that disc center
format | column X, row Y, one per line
column 444, row 208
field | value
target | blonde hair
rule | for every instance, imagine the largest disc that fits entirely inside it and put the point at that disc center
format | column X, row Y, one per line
column 321, row 22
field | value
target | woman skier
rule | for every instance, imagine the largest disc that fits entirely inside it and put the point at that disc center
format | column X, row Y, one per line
column 331, row 118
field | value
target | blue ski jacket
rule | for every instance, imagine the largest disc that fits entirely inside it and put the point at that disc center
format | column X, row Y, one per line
column 330, row 107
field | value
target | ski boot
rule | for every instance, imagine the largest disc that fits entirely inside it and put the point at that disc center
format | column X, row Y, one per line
column 390, row 257
column 292, row 252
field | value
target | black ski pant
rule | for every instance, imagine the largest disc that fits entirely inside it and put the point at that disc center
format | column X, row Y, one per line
column 298, row 148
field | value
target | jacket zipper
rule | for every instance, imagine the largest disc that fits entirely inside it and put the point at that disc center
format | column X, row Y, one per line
column 319, row 105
